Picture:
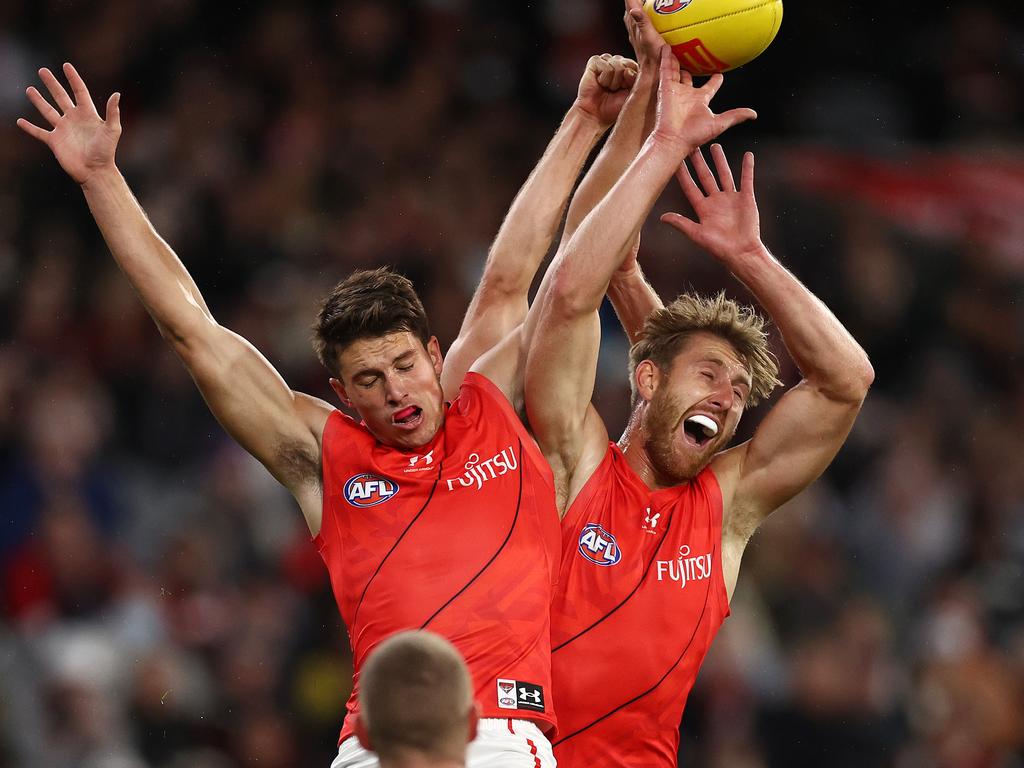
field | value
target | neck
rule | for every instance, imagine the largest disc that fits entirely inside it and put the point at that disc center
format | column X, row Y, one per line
column 633, row 444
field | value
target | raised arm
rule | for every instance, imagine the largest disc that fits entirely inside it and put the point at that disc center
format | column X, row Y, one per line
column 562, row 359
column 500, row 302
column 629, row 292
column 279, row 427
column 803, row 432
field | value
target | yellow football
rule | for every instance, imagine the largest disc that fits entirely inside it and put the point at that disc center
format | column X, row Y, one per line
column 710, row 36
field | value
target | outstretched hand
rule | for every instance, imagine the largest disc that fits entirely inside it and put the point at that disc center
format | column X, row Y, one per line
column 684, row 117
column 81, row 140
column 728, row 223
column 605, row 85
column 644, row 38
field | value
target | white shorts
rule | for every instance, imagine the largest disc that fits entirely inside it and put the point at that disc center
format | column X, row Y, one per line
column 498, row 744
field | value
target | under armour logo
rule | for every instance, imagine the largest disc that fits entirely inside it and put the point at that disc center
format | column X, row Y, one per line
column 427, row 459
column 651, row 521
column 526, row 693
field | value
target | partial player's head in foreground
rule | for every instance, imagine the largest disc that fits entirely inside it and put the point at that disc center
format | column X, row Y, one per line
column 700, row 363
column 416, row 702
column 373, row 336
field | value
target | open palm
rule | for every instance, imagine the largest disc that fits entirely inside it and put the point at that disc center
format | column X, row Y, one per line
column 81, row 140
column 728, row 221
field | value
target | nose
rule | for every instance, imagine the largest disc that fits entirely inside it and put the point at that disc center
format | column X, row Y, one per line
column 722, row 396
column 393, row 390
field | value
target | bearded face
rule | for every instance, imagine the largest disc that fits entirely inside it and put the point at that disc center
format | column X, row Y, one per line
column 695, row 408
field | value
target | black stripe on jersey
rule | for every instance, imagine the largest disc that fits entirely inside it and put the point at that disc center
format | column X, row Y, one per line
column 654, row 687
column 625, row 599
column 487, row 565
column 440, row 467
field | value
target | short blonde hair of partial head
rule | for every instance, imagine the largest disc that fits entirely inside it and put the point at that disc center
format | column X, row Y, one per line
column 666, row 330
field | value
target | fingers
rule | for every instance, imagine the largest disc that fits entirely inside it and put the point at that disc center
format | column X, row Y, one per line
column 704, row 175
column 691, row 191
column 82, row 97
column 722, row 167
column 747, row 173
column 713, row 84
column 113, row 112
column 668, row 67
column 60, row 96
column 34, row 131
column 613, row 73
column 51, row 115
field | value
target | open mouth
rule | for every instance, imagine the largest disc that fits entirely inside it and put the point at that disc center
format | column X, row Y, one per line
column 408, row 418
column 699, row 430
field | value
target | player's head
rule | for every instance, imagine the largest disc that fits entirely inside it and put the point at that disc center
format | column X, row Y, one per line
column 699, row 363
column 416, row 701
column 372, row 335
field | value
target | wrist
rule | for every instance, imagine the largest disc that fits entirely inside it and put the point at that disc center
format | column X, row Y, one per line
column 624, row 275
column 579, row 112
column 665, row 149
column 100, row 177
column 747, row 256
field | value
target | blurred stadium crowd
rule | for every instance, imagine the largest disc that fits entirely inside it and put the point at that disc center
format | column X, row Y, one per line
column 160, row 603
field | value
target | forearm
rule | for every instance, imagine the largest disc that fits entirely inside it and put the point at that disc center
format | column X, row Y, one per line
column 155, row 272
column 633, row 300
column 532, row 221
column 582, row 271
column 826, row 354
column 631, row 128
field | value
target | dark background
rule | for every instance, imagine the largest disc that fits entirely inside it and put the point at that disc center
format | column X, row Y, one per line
column 161, row 604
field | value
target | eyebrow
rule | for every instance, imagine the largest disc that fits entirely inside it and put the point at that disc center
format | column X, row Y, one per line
column 746, row 380
column 376, row 371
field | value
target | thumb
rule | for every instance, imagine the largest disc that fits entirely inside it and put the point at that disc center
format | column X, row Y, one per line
column 688, row 227
column 727, row 120
column 113, row 112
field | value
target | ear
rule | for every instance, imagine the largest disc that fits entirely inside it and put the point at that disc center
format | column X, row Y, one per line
column 647, row 377
column 474, row 720
column 339, row 390
column 362, row 734
column 434, row 351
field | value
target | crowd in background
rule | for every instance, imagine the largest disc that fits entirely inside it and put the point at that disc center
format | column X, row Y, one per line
column 161, row 605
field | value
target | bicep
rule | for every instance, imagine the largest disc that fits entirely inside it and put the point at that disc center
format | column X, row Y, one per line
column 790, row 449
column 559, row 381
column 256, row 407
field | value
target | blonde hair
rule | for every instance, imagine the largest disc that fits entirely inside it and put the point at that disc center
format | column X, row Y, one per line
column 667, row 330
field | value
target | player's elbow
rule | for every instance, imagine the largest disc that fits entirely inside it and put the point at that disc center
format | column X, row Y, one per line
column 853, row 384
column 569, row 299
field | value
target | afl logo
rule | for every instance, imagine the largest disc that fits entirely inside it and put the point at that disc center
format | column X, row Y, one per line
column 599, row 546
column 368, row 490
column 666, row 7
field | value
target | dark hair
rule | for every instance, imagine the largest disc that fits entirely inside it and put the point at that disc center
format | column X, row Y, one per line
column 367, row 304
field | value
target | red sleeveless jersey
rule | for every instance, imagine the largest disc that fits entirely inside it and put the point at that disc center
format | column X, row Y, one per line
column 459, row 537
column 640, row 597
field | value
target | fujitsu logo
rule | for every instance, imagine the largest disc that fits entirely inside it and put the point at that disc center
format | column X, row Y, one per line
column 685, row 568
column 479, row 472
